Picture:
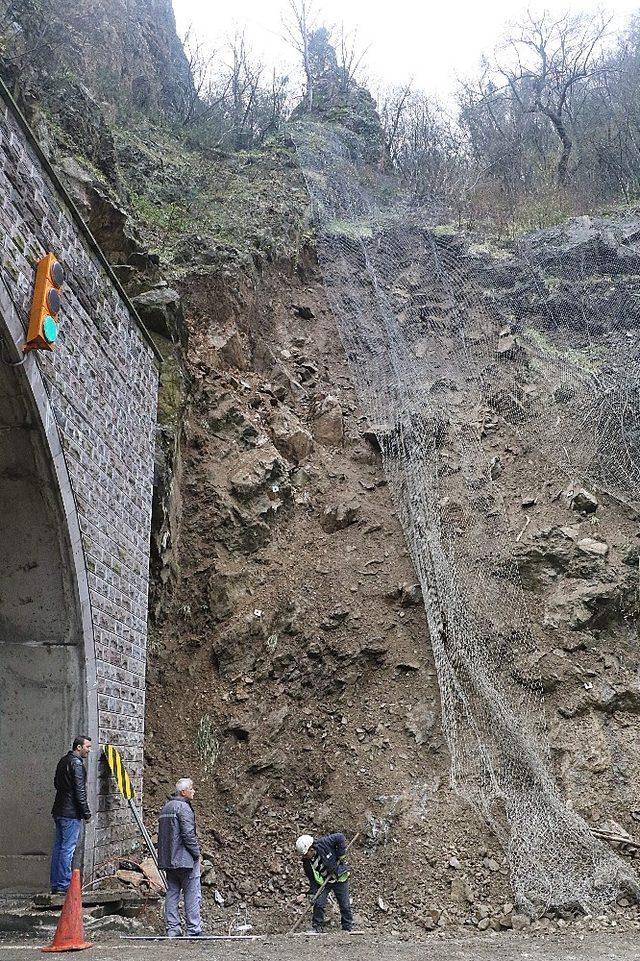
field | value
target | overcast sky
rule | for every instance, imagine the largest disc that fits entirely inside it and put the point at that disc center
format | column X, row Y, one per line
column 431, row 43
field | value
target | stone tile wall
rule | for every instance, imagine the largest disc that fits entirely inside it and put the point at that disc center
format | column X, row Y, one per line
column 102, row 381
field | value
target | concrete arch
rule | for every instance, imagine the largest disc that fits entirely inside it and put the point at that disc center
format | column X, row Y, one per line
column 47, row 650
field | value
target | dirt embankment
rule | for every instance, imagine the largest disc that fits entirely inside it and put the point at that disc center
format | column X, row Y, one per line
column 292, row 675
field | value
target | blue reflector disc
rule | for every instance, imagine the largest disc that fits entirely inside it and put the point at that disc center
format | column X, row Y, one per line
column 49, row 329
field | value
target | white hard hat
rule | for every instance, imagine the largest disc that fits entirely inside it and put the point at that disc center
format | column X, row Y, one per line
column 304, row 842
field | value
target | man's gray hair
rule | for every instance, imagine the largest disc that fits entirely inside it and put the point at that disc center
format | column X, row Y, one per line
column 183, row 784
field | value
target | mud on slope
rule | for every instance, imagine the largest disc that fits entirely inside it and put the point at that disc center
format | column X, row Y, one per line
column 292, row 673
column 296, row 620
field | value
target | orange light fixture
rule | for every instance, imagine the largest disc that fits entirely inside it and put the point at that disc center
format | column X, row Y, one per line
column 43, row 319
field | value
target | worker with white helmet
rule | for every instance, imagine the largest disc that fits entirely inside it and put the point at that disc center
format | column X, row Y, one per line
column 323, row 860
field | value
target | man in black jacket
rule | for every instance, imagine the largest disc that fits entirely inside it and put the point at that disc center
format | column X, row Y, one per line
column 323, row 860
column 70, row 809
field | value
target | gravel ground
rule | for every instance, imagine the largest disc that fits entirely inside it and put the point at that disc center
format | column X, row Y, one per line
column 594, row 947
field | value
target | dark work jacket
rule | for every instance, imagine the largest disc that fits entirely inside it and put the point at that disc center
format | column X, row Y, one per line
column 178, row 845
column 328, row 861
column 70, row 782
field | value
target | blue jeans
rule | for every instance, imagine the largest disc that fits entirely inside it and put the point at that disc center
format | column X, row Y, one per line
column 67, row 833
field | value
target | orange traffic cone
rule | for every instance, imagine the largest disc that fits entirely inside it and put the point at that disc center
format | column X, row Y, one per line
column 69, row 934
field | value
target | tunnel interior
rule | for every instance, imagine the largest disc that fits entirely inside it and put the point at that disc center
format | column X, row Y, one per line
column 42, row 695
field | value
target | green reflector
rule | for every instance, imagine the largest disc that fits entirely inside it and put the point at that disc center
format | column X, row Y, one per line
column 49, row 329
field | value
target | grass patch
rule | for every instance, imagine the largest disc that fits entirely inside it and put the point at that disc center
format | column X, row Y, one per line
column 352, row 229
column 207, row 745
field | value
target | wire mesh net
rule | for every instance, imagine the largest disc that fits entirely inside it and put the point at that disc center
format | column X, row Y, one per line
column 437, row 361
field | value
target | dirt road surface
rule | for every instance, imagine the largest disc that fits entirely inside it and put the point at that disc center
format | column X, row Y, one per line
column 589, row 947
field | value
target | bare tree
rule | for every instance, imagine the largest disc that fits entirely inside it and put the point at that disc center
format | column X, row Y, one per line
column 393, row 104
column 245, row 76
column 298, row 28
column 241, row 105
column 350, row 57
column 544, row 61
column 194, row 98
column 276, row 101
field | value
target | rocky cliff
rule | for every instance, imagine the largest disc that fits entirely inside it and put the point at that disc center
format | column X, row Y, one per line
column 290, row 671
column 312, row 697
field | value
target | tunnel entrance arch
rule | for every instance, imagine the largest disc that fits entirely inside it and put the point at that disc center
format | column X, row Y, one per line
column 47, row 663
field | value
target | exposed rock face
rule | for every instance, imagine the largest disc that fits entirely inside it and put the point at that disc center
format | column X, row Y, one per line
column 126, row 51
column 612, row 244
column 309, row 609
column 109, row 223
column 284, row 597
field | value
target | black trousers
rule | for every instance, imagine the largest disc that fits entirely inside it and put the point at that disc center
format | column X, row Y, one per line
column 341, row 891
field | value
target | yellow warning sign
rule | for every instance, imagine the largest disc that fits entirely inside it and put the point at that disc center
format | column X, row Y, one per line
column 118, row 770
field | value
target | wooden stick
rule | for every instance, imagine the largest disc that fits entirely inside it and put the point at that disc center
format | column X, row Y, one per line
column 200, row 937
column 618, row 839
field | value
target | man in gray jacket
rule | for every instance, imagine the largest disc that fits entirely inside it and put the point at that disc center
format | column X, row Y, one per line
column 179, row 855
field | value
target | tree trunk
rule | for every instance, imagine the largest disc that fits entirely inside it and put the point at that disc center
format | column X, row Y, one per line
column 565, row 140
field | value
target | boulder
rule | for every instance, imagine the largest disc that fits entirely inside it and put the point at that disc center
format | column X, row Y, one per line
column 304, row 312
column 506, row 346
column 262, row 474
column 559, row 550
column 574, row 603
column 339, row 516
column 291, row 439
column 334, row 619
column 151, row 873
column 160, row 310
column 420, row 722
column 588, row 545
column 230, row 349
column 131, row 878
column 327, row 422
column 461, row 891
column 583, row 501
column 409, row 595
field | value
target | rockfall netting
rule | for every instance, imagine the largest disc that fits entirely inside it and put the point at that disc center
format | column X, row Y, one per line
column 437, row 364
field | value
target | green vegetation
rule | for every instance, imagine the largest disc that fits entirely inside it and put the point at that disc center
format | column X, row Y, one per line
column 207, row 745
column 589, row 359
column 352, row 229
column 201, row 208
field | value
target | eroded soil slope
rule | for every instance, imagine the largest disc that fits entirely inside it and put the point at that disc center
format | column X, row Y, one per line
column 291, row 674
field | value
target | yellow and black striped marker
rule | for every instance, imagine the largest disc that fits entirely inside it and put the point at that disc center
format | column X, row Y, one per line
column 119, row 771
